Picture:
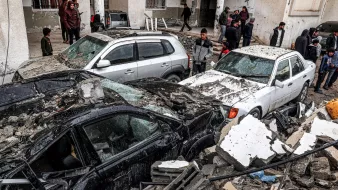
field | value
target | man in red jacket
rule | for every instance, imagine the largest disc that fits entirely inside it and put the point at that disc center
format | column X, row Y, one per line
column 72, row 22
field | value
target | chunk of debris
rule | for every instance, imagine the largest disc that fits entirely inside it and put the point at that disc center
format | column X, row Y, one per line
column 229, row 186
column 306, row 181
column 250, row 142
column 324, row 128
column 300, row 166
column 167, row 171
column 332, row 154
column 320, row 169
column 91, row 90
column 307, row 142
column 323, row 183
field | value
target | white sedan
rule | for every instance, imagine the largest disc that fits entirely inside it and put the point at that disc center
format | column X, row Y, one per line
column 256, row 80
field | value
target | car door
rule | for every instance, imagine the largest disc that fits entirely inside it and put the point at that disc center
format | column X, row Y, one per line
column 153, row 60
column 281, row 96
column 298, row 76
column 122, row 57
column 128, row 144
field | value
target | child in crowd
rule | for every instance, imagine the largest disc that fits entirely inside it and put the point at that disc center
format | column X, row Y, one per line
column 46, row 45
column 225, row 50
column 325, row 65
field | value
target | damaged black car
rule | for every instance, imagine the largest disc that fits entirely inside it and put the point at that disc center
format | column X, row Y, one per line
column 77, row 130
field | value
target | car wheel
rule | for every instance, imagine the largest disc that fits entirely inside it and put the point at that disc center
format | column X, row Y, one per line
column 173, row 78
column 256, row 113
column 303, row 94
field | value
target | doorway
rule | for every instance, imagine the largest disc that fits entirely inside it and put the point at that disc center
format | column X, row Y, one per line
column 207, row 13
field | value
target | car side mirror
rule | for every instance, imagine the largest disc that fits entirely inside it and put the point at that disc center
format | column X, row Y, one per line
column 103, row 64
column 278, row 84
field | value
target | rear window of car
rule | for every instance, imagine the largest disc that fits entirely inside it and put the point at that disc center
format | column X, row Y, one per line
column 16, row 93
column 118, row 17
column 328, row 27
column 168, row 46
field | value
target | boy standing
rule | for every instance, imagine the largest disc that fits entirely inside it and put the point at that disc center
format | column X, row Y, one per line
column 202, row 51
column 312, row 49
column 46, row 45
column 248, row 32
column 324, row 68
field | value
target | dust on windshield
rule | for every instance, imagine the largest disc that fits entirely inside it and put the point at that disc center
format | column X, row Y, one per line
column 246, row 66
column 78, row 55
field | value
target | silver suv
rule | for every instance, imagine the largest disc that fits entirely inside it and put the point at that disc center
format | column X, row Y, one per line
column 140, row 55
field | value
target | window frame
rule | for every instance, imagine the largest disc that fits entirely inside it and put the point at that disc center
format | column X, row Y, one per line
column 120, row 45
column 290, row 72
column 138, row 53
column 163, row 8
column 131, row 149
column 301, row 64
column 45, row 9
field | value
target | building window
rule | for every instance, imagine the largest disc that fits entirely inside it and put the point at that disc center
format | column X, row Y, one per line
column 45, row 4
column 310, row 8
column 106, row 4
column 155, row 4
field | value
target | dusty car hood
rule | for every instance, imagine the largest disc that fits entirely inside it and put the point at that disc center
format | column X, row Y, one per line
column 183, row 100
column 39, row 66
column 226, row 88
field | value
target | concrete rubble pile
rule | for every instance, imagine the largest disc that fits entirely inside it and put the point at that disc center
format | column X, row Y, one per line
column 247, row 144
column 32, row 115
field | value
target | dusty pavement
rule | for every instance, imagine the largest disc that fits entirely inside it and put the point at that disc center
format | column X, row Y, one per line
column 188, row 43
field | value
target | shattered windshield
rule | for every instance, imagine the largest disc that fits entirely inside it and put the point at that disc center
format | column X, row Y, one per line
column 246, row 66
column 136, row 97
column 83, row 51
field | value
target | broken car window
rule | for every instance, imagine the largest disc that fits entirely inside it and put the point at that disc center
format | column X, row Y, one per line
column 248, row 66
column 122, row 54
column 118, row 133
column 283, row 71
column 83, row 51
column 60, row 156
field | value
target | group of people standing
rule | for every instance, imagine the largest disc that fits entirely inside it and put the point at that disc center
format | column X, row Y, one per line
column 235, row 25
column 70, row 26
column 70, row 20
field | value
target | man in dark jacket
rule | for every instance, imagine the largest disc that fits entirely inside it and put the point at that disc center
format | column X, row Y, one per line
column 223, row 19
column 248, row 32
column 202, row 51
column 278, row 35
column 302, row 43
column 186, row 15
column 331, row 41
column 232, row 35
column 312, row 51
column 72, row 22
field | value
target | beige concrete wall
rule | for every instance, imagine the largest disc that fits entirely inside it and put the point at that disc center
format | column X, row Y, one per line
column 18, row 44
column 136, row 10
column 330, row 13
column 120, row 5
column 268, row 14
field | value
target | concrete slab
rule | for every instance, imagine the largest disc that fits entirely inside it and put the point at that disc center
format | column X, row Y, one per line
column 324, row 128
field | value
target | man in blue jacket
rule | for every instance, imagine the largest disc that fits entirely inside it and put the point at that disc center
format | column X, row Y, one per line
column 327, row 65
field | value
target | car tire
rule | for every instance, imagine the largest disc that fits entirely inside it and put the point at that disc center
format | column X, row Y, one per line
column 173, row 78
column 256, row 113
column 303, row 94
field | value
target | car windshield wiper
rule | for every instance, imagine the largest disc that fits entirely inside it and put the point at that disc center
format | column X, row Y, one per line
column 254, row 76
column 226, row 72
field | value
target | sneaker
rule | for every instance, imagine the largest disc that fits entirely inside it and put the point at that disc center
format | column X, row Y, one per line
column 326, row 87
column 190, row 29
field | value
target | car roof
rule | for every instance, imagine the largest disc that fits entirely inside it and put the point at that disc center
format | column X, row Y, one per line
column 262, row 51
column 331, row 22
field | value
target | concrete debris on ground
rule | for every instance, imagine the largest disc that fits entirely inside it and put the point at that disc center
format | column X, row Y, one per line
column 249, row 143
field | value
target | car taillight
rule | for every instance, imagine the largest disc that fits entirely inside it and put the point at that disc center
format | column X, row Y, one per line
column 108, row 21
column 233, row 113
column 189, row 61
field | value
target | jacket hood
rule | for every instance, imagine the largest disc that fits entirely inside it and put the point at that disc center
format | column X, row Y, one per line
column 226, row 88
column 305, row 33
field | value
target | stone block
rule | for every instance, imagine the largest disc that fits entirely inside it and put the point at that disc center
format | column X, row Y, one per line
column 320, row 168
column 324, row 128
column 332, row 154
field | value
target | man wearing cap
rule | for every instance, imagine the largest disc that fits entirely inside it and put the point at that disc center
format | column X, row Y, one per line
column 248, row 32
